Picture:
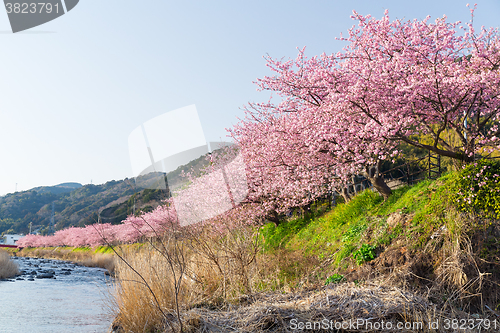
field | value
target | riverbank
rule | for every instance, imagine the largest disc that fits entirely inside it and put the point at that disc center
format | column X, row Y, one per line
column 414, row 258
column 102, row 256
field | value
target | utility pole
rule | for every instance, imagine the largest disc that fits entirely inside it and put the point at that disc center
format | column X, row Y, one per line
column 134, row 207
column 52, row 227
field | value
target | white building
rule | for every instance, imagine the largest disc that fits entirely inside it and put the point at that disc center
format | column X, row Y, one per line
column 12, row 239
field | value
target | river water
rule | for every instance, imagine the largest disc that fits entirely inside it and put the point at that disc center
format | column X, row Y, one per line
column 73, row 301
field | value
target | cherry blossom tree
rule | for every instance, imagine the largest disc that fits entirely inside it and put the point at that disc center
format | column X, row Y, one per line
column 302, row 152
column 420, row 82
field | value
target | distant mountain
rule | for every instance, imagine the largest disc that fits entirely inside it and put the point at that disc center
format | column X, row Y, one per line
column 57, row 189
column 77, row 205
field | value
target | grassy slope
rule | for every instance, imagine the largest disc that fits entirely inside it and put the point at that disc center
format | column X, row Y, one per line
column 342, row 230
column 420, row 221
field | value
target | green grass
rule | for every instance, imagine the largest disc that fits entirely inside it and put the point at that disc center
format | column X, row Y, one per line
column 341, row 232
column 81, row 249
column 104, row 250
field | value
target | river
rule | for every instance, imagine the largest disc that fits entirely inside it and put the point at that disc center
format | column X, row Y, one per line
column 72, row 301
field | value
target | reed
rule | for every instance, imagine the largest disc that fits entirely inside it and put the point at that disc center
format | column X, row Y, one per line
column 106, row 261
column 158, row 283
column 147, row 292
column 8, row 268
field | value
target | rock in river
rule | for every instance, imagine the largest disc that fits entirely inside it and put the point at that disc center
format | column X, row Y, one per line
column 45, row 276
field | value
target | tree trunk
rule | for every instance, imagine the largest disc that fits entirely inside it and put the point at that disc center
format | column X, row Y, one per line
column 373, row 175
column 273, row 217
column 345, row 194
column 381, row 186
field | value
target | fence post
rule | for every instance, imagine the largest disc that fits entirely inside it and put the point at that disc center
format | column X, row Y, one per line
column 408, row 173
column 434, row 165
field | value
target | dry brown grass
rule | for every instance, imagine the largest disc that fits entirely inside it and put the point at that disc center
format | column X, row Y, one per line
column 372, row 303
column 162, row 280
column 106, row 261
column 229, row 285
column 141, row 303
column 463, row 277
column 224, row 288
column 8, row 268
column 338, row 303
column 85, row 258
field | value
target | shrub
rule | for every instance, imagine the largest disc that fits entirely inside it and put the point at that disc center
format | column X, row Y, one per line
column 365, row 253
column 335, row 278
column 353, row 232
column 478, row 188
column 8, row 268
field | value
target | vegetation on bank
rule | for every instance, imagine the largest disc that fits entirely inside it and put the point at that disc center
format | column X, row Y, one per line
column 411, row 212
column 420, row 239
column 8, row 268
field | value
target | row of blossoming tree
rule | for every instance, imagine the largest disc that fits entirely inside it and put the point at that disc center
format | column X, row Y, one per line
column 432, row 85
column 129, row 231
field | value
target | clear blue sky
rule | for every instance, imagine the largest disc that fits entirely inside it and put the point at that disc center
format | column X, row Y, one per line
column 72, row 90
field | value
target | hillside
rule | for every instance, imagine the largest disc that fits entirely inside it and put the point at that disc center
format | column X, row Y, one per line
column 77, row 205
column 57, row 189
column 73, row 205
